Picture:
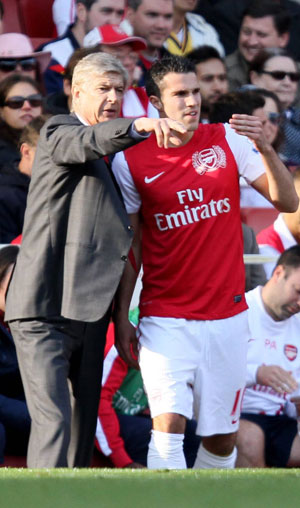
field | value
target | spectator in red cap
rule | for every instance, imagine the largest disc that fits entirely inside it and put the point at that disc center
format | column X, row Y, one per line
column 88, row 14
column 18, row 56
column 113, row 40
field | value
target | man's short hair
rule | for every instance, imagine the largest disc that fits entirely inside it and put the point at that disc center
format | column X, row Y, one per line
column 262, row 8
column 31, row 132
column 203, row 54
column 87, row 3
column 160, row 68
column 290, row 258
column 77, row 55
column 243, row 103
column 134, row 4
column 97, row 63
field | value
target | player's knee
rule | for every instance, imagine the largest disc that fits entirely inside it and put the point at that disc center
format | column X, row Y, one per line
column 172, row 423
column 220, row 444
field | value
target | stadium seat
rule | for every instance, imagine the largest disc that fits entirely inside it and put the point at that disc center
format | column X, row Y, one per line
column 31, row 17
column 258, row 218
column 12, row 21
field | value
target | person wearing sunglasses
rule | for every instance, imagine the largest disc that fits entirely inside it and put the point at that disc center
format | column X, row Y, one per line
column 275, row 70
column 18, row 56
column 20, row 101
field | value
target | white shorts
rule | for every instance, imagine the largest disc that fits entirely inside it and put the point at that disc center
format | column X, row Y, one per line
column 196, row 369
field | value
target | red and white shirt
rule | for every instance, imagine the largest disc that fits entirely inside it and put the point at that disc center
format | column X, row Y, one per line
column 271, row 343
column 273, row 240
column 192, row 245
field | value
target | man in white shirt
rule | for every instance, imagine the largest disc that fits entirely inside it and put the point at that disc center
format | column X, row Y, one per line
column 268, row 434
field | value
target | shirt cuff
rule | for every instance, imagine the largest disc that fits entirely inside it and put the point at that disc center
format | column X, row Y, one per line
column 136, row 135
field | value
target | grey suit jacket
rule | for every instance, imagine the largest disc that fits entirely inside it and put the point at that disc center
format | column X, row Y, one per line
column 76, row 232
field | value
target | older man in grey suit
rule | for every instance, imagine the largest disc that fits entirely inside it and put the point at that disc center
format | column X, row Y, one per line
column 75, row 243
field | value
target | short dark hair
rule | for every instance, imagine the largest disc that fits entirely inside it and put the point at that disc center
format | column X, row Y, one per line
column 77, row 55
column 243, row 103
column 265, row 54
column 160, row 68
column 204, row 53
column 261, row 8
column 290, row 258
column 8, row 256
column 87, row 3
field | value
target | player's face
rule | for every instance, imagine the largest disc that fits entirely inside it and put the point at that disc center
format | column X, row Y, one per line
column 213, row 80
column 284, row 88
column 286, row 297
column 180, row 98
column 100, row 98
column 105, row 12
column 152, row 20
column 258, row 33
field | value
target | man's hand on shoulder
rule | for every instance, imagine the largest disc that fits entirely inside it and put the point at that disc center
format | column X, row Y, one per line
column 250, row 126
column 167, row 131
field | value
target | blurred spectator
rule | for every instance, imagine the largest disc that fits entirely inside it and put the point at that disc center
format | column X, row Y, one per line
column 18, row 56
column 268, row 434
column 264, row 24
column 63, row 13
column 89, row 14
column 248, row 103
column 282, row 234
column 14, row 182
column 14, row 416
column 211, row 72
column 152, row 20
column 190, row 30
column 124, row 424
column 226, row 16
column 111, row 39
column 275, row 69
column 20, row 101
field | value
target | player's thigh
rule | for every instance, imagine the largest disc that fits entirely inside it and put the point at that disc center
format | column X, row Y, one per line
column 168, row 362
column 221, row 376
column 250, row 445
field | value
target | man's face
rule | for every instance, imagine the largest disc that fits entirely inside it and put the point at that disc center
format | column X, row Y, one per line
column 180, row 99
column 153, row 20
column 286, row 295
column 125, row 54
column 212, row 79
column 100, row 98
column 105, row 12
column 258, row 33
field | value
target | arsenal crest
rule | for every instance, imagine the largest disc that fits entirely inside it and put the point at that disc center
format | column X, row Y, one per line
column 209, row 159
column 290, row 352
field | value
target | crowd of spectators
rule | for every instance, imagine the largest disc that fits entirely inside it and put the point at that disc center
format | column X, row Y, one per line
column 246, row 56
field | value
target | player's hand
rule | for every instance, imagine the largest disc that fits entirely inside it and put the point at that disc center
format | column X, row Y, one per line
column 250, row 126
column 134, row 465
column 168, row 132
column 277, row 378
column 126, row 341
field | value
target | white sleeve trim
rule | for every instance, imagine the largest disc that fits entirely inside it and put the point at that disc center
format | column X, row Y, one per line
column 123, row 176
column 248, row 159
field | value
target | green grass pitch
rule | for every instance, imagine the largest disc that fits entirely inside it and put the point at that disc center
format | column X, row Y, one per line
column 115, row 488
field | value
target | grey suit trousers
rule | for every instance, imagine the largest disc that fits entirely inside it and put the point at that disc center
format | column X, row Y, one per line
column 61, row 366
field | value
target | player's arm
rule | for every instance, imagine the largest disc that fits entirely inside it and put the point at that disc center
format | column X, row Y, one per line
column 125, row 333
column 276, row 184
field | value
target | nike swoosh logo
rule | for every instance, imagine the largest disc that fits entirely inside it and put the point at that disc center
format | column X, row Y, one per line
column 149, row 180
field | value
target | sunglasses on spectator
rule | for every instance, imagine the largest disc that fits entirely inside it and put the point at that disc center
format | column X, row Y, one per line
column 280, row 75
column 274, row 118
column 17, row 102
column 10, row 65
